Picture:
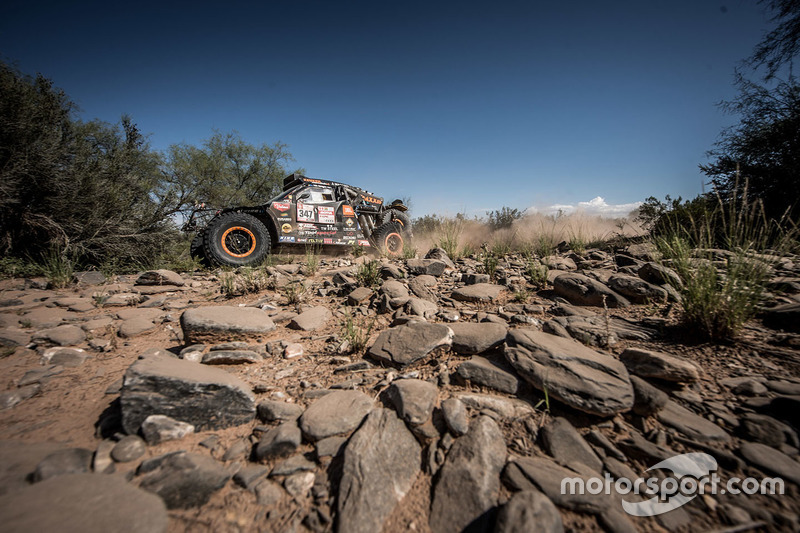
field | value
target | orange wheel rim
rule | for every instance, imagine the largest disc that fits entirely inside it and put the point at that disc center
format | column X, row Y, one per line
column 393, row 243
column 238, row 241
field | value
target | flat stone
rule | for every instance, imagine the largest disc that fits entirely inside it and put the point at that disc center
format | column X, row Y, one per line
column 276, row 411
column 312, row 319
column 394, row 289
column 137, row 312
column 121, row 299
column 410, row 342
column 45, row 317
column 13, row 337
column 279, row 442
column 648, row 400
column 693, row 426
column 482, row 371
column 224, row 323
column 652, row 364
column 583, row 290
column 469, row 480
column 78, row 503
column 636, row 289
column 128, row 449
column 430, row 267
column 269, row 493
column 570, row 372
column 771, row 460
column 206, row 397
column 66, row 335
column 231, row 357
column 184, row 480
column 159, row 428
column 455, row 416
column 336, row 413
column 767, row 430
column 67, row 357
column 292, row 465
column 525, row 508
column 659, row 275
column 79, row 305
column 475, row 338
column 441, row 255
column 414, row 399
column 134, row 327
column 359, row 295
column 479, row 292
column 380, row 463
column 421, row 307
column 61, row 462
column 501, row 406
column 250, row 476
column 299, row 485
column 330, row 447
column 160, row 277
column 563, row 442
column 9, row 399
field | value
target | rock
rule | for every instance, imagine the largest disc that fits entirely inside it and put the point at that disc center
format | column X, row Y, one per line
column 766, row 430
column 596, row 330
column 79, row 305
column 250, row 476
column 61, row 462
column 526, row 508
column 394, row 289
column 66, row 335
column 312, row 319
column 13, row 337
column 268, row 493
column 648, row 400
column 481, row 371
column 469, row 480
column 475, row 338
column 128, row 449
column 160, row 277
column 567, row 446
column 455, row 416
column 636, row 289
column 501, row 406
column 135, row 326
column 91, row 277
column 336, row 413
column 771, row 460
column 9, row 399
column 206, row 397
column 68, row 357
column 298, row 485
column 121, row 299
column 330, row 447
column 652, row 364
column 45, row 318
column 279, row 442
column 479, row 292
column 582, row 290
column 183, row 480
column 421, row 289
column 441, row 255
column 659, row 275
column 224, row 323
column 275, row 411
column 472, row 279
column 292, row 465
column 76, row 503
column 159, row 428
column 555, row 262
column 570, row 372
column 538, row 473
column 420, row 307
column 430, row 267
column 414, row 399
column 403, row 345
column 231, row 357
column 693, row 426
column 785, row 317
column 749, row 387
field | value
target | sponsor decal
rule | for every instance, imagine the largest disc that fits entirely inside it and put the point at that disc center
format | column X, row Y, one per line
column 281, row 206
column 327, row 232
column 372, row 199
column 283, row 218
column 286, row 228
column 326, row 215
column 314, row 241
column 327, row 241
column 349, row 222
column 348, row 211
column 284, row 238
column 303, row 225
column 362, row 242
column 305, row 213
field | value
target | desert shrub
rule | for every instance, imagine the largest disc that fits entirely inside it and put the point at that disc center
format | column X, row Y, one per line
column 356, row 332
column 369, row 274
column 504, row 218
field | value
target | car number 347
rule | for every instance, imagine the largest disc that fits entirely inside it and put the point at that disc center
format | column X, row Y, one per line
column 305, row 214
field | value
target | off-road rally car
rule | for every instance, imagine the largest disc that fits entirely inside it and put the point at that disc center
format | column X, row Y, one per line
column 308, row 211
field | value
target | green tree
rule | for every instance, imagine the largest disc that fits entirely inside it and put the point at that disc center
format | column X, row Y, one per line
column 225, row 171
column 760, row 156
column 503, row 218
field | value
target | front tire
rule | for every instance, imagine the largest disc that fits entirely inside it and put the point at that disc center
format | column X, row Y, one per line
column 388, row 239
column 236, row 239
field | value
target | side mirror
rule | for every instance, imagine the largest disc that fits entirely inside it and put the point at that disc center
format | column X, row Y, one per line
column 304, row 196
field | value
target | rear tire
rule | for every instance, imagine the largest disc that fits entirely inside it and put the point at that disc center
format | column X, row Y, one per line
column 397, row 216
column 236, row 239
column 388, row 239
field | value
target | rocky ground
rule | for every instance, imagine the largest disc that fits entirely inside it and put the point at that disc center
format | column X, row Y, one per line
column 154, row 402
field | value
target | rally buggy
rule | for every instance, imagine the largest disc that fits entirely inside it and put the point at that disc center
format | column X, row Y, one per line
column 308, row 211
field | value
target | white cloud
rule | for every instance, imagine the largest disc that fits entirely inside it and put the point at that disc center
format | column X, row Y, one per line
column 595, row 206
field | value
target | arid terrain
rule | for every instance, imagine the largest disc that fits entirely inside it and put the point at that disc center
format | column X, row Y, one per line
column 425, row 395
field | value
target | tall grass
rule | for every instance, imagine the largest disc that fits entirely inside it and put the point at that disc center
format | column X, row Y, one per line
column 449, row 236
column 719, row 296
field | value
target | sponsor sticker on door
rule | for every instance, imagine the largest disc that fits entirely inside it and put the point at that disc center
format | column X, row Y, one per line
column 326, row 215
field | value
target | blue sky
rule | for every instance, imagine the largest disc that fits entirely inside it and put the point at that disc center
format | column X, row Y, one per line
column 461, row 106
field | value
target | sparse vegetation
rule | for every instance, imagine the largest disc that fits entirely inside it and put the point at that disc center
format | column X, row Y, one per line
column 245, row 280
column 356, row 332
column 449, row 233
column 312, row 259
column 57, row 268
column 409, row 252
column 294, row 291
column 490, row 264
column 369, row 274
column 537, row 273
